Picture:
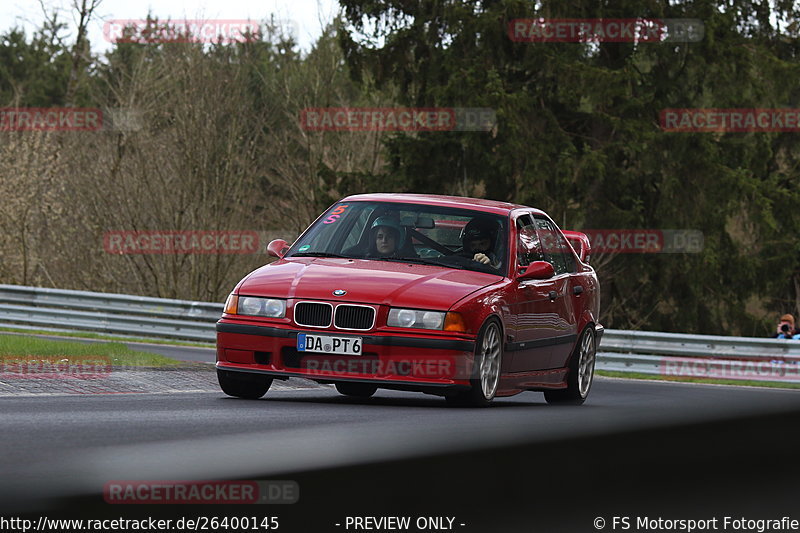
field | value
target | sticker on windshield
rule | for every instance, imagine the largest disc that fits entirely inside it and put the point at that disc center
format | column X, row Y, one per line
column 334, row 216
column 304, row 248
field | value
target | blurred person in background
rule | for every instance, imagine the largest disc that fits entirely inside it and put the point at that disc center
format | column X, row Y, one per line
column 786, row 328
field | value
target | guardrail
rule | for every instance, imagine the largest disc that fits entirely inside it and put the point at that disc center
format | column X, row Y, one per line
column 700, row 356
column 643, row 352
column 118, row 314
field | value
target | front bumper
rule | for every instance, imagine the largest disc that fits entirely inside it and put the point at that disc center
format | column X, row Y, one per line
column 387, row 359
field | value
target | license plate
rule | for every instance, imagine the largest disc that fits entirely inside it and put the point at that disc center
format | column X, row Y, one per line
column 307, row 342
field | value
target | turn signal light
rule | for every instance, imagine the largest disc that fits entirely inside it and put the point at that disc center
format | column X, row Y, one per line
column 232, row 304
column 454, row 322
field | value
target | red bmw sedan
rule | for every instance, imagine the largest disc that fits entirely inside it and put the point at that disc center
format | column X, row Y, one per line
column 464, row 298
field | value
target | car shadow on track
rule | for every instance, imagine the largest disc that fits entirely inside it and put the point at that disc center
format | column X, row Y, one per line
column 394, row 401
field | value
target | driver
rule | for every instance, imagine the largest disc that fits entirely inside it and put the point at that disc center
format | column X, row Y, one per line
column 478, row 240
column 386, row 236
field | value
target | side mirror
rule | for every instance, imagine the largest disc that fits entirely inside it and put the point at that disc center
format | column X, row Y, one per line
column 538, row 270
column 277, row 248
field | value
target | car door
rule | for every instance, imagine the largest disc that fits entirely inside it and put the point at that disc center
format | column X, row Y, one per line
column 533, row 309
column 562, row 325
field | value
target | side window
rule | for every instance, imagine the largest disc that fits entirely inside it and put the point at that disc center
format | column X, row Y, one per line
column 529, row 248
column 569, row 259
column 556, row 248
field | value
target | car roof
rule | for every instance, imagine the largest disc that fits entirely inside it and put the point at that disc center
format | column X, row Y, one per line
column 478, row 204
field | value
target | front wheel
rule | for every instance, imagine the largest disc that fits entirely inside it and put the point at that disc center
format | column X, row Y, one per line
column 486, row 377
column 240, row 385
column 581, row 372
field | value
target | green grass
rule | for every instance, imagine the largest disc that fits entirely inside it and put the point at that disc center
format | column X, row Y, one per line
column 100, row 336
column 738, row 382
column 19, row 348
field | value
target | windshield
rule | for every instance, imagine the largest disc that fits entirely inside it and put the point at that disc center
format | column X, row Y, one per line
column 383, row 231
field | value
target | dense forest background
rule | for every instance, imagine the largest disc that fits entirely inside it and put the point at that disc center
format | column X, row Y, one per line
column 208, row 137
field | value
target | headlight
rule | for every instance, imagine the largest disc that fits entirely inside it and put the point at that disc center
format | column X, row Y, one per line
column 275, row 308
column 412, row 318
column 432, row 320
column 269, row 307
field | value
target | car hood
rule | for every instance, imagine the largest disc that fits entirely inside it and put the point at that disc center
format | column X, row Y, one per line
column 372, row 282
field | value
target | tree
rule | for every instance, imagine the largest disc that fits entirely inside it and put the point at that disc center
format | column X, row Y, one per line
column 578, row 135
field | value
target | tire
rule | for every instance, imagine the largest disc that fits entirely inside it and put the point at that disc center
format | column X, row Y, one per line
column 581, row 372
column 240, row 385
column 357, row 390
column 486, row 375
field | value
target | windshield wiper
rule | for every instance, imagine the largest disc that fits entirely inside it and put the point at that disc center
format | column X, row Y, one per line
column 320, row 254
column 472, row 266
column 423, row 261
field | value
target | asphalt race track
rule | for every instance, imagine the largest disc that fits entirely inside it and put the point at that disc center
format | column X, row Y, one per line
column 662, row 449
